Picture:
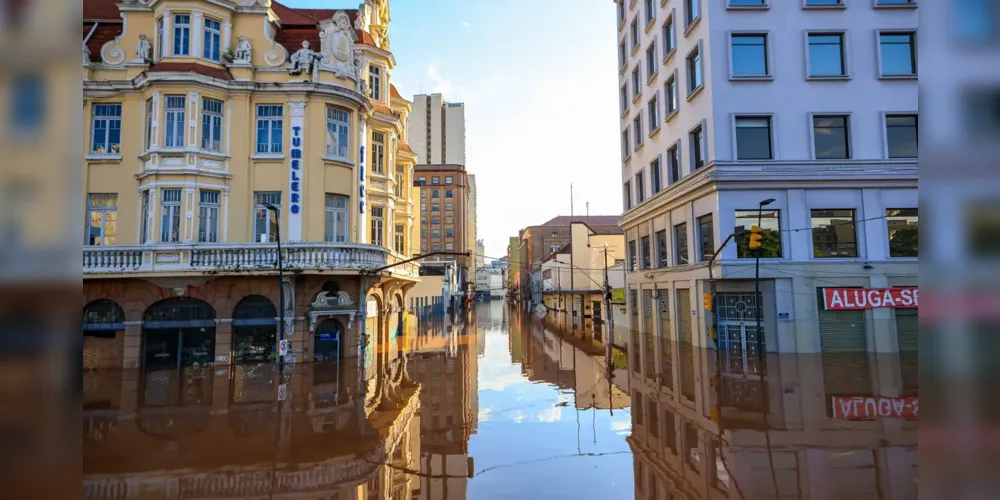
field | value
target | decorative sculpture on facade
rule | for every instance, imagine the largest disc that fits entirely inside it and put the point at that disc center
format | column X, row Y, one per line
column 304, row 61
column 142, row 49
column 337, row 45
column 244, row 51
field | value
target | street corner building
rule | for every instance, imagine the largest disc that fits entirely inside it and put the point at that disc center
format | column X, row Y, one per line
column 215, row 130
column 810, row 134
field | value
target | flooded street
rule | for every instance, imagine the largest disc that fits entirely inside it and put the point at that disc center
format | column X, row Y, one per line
column 501, row 404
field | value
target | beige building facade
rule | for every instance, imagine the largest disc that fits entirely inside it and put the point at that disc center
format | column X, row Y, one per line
column 214, row 130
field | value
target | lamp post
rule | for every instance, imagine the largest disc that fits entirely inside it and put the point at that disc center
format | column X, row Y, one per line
column 756, row 281
column 281, row 283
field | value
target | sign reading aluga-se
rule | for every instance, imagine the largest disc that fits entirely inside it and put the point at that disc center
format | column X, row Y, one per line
column 843, row 299
column 283, row 347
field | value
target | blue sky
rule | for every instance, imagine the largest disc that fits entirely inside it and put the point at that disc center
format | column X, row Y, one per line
column 540, row 83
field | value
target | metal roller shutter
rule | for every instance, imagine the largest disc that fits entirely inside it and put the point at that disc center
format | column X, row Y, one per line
column 648, row 330
column 906, row 339
column 666, row 340
column 687, row 343
column 844, row 346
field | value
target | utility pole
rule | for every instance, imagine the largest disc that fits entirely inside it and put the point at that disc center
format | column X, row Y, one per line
column 609, row 333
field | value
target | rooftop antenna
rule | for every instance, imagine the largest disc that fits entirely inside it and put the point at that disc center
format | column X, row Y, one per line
column 571, row 199
column 588, row 209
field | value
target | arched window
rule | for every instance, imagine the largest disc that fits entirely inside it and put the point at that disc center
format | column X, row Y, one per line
column 255, row 327
column 178, row 332
column 180, row 310
column 102, row 318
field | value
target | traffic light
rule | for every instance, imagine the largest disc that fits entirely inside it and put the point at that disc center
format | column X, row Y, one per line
column 708, row 301
column 755, row 236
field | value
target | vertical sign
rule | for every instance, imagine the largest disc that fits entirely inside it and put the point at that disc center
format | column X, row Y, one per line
column 283, row 347
column 362, row 220
column 297, row 119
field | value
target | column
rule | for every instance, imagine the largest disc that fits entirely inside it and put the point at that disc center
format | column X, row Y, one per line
column 223, row 341
column 227, row 30
column 192, row 133
column 188, row 228
column 165, row 46
column 197, row 28
column 155, row 125
column 133, row 345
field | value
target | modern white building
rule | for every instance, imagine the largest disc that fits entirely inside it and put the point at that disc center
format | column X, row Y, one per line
column 810, row 105
column 438, row 130
column 489, row 282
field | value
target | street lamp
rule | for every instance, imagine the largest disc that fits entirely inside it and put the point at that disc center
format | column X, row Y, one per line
column 281, row 283
column 756, row 282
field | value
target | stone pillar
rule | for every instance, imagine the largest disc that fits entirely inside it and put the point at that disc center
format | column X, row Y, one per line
column 220, row 386
column 132, row 351
column 129, row 399
column 223, row 342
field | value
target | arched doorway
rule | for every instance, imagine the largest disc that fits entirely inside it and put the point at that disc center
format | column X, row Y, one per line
column 178, row 332
column 103, row 347
column 255, row 330
column 326, row 371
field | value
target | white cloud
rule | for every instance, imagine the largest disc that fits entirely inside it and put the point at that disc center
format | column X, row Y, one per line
column 518, row 417
column 553, row 414
column 622, row 427
column 500, row 381
column 485, row 414
column 441, row 86
column 466, row 24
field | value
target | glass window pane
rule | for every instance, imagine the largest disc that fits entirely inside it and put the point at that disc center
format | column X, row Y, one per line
column 833, row 233
column 825, row 55
column 753, row 138
column 770, row 238
column 830, row 135
column 903, row 232
column 749, row 55
column 897, row 54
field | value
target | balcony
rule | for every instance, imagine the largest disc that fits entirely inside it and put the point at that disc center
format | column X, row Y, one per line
column 183, row 259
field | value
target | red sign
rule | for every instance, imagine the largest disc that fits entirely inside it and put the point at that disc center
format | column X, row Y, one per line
column 872, row 407
column 840, row 299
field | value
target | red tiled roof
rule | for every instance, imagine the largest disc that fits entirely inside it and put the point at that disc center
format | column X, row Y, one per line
column 104, row 33
column 364, row 37
column 394, row 92
column 201, row 69
column 292, row 17
column 404, row 147
column 105, row 10
column 381, row 108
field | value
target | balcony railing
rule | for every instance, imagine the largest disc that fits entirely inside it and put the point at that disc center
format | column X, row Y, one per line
column 236, row 258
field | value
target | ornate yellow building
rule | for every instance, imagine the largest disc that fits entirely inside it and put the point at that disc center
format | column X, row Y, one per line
column 212, row 130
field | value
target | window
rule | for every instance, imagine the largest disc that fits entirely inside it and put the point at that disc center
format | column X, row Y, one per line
column 655, row 178
column 208, row 216
column 338, row 124
column 265, row 226
column 435, row 194
column 821, row 3
column 635, row 33
column 628, row 195
column 636, row 83
column 170, row 216
column 182, row 34
column 749, row 55
column 622, row 55
column 651, row 63
column 211, row 124
column 833, row 233
column 435, row 220
column 435, row 207
column 269, row 128
column 694, row 70
column 422, row 180
column 770, row 243
column 631, row 256
column 669, row 37
column 670, row 94
column 653, row 110
column 449, row 206
column 212, row 42
column 826, row 55
column 377, row 225
column 706, row 238
column 646, row 257
column 661, row 252
column 753, row 138
column 435, row 180
column 449, row 233
column 335, row 229
column 449, row 219
column 898, row 54
column 626, row 144
column 144, row 222
column 640, row 188
column 680, row 244
column 901, row 136
column 449, row 193
column 107, row 128
column 650, row 11
column 375, row 82
column 378, row 153
column 697, row 148
column 161, row 35
column 624, row 98
column 637, row 125
column 748, row 3
column 903, row 231
column 830, row 137
column 399, row 238
column 103, row 212
column 674, row 164
column 449, row 247
column 400, row 181
column 175, row 122
column 692, row 11
column 149, row 123
column 621, row 11
column 449, row 180
column 436, row 233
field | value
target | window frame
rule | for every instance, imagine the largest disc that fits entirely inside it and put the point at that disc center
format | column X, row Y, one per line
column 378, row 153
column 645, row 252
column 625, row 101
column 637, row 131
column 702, row 146
column 656, row 175
column 331, row 226
column 845, row 59
column 270, row 122
column 650, row 11
column 174, row 34
column 693, row 12
column 848, row 132
column 627, row 189
column 914, row 56
column 208, row 34
column 636, row 83
column 696, row 51
column 886, row 115
column 634, row 34
column 209, row 213
column 375, row 81
column 207, row 123
column 671, row 96
column 772, row 137
column 754, row 212
column 341, row 129
column 662, row 254
column 174, row 215
column 150, row 118
column 259, row 208
column 678, row 245
column 888, row 233
column 668, row 31
column 768, row 55
column 104, row 211
column 626, row 143
column 653, row 112
column 180, row 125
column 858, row 240
column 764, row 5
column 907, row 4
column 377, row 225
column 702, row 255
column 640, row 187
column 652, row 63
column 108, row 119
column 674, row 160
column 841, row 4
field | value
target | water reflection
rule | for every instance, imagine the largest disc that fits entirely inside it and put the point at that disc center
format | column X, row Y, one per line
column 499, row 403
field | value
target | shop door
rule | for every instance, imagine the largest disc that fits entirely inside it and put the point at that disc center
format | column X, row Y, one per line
column 741, row 347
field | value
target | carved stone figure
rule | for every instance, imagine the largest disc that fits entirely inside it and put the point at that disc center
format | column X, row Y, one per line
column 303, row 60
column 243, row 51
column 364, row 15
column 142, row 48
column 337, row 40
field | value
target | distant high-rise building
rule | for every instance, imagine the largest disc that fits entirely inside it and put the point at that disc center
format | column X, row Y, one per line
column 437, row 130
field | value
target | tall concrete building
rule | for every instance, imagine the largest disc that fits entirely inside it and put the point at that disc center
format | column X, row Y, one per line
column 798, row 117
column 444, row 215
column 439, row 130
column 473, row 233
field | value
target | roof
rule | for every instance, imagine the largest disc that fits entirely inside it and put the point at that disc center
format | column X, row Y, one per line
column 404, row 147
column 393, row 91
column 590, row 220
column 103, row 10
column 381, row 108
column 105, row 32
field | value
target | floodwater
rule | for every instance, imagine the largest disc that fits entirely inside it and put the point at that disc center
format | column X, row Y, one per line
column 504, row 404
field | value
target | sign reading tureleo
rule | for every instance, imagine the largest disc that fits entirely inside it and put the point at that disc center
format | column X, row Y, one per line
column 842, row 299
